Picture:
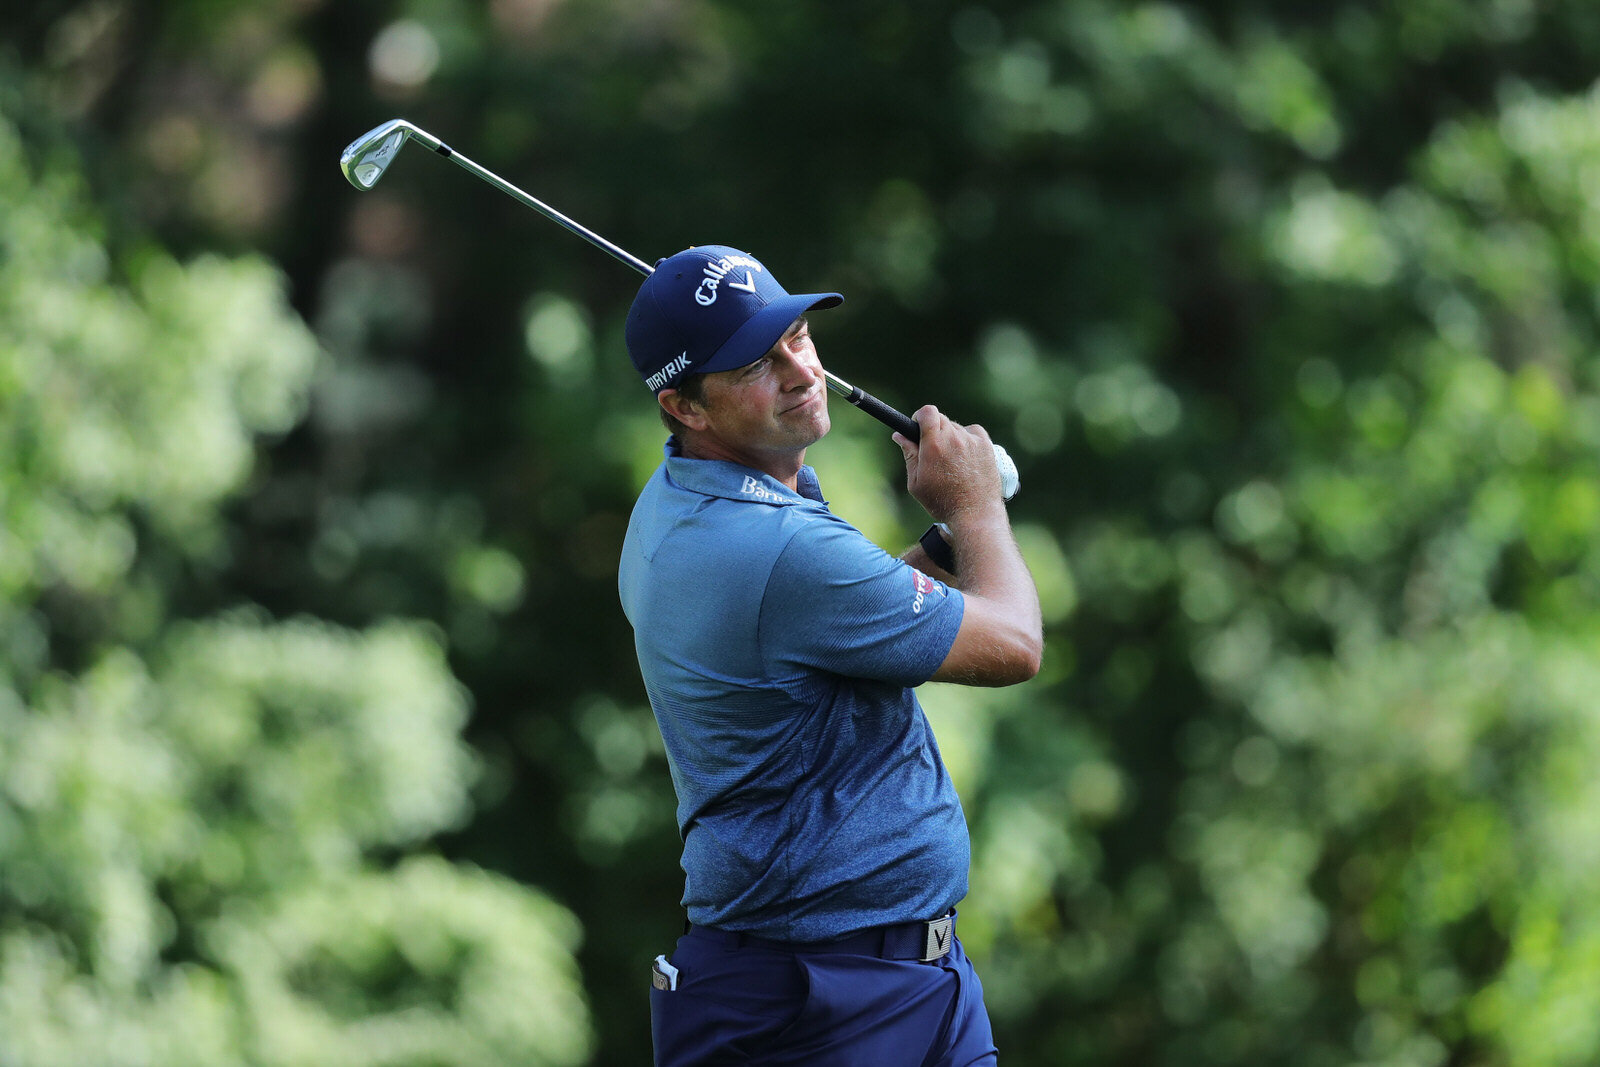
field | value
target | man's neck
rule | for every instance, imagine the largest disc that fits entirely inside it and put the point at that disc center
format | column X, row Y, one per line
column 784, row 467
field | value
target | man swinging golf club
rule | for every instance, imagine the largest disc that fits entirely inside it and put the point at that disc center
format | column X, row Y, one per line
column 824, row 847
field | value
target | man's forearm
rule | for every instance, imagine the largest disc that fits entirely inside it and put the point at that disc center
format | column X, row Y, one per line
column 1000, row 594
column 989, row 564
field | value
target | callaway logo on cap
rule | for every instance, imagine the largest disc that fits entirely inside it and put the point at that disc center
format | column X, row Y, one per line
column 710, row 308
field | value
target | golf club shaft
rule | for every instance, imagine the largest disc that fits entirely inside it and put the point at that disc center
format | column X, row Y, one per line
column 544, row 209
column 889, row 416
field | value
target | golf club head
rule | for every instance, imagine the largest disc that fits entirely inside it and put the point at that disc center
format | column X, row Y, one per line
column 368, row 156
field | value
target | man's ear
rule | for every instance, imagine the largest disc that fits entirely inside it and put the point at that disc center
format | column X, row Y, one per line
column 682, row 408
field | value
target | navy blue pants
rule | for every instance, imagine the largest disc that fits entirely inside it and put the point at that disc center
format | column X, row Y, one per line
column 739, row 1000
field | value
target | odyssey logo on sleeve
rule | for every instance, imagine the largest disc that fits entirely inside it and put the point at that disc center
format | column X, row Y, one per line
column 925, row 587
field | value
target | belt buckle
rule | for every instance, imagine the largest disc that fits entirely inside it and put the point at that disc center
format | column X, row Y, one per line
column 938, row 934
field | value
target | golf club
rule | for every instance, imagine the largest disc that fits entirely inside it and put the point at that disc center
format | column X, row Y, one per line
column 366, row 159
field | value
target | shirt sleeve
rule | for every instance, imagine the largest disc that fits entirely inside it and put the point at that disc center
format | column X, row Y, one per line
column 837, row 602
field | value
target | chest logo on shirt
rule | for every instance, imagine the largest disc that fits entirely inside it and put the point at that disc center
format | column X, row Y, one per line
column 753, row 487
column 925, row 586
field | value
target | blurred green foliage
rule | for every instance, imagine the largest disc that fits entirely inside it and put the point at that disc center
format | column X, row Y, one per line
column 201, row 812
column 1289, row 314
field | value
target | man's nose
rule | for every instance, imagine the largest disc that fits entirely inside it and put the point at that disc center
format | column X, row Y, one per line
column 800, row 371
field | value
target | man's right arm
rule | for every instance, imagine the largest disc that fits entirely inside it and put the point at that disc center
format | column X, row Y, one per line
column 952, row 473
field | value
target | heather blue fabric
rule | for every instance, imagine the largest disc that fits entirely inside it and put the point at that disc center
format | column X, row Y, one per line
column 778, row 647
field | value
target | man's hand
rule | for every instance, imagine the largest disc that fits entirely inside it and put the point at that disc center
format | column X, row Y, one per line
column 952, row 470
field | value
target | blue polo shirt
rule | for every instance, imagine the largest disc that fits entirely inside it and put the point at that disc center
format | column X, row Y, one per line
column 779, row 647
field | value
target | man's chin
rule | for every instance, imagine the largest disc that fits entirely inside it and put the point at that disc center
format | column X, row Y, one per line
column 819, row 428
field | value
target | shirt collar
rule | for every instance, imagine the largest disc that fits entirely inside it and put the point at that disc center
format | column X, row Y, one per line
column 735, row 481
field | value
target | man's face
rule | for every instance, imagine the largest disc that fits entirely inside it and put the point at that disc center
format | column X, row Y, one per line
column 778, row 404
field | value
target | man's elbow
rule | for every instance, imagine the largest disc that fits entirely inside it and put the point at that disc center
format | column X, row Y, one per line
column 1035, row 661
column 1024, row 661
column 996, row 646
column 995, row 665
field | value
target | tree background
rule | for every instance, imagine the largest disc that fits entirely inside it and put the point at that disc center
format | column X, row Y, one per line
column 321, row 737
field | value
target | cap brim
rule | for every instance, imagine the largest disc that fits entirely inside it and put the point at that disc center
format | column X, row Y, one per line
column 764, row 329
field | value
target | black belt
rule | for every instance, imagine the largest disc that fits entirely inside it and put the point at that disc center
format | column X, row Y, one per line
column 925, row 941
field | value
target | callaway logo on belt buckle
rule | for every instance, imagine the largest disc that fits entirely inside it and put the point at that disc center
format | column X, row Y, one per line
column 940, row 933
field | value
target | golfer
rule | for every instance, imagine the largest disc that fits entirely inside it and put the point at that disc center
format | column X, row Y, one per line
column 824, row 847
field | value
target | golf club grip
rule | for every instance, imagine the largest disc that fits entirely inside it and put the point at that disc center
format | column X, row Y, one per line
column 890, row 417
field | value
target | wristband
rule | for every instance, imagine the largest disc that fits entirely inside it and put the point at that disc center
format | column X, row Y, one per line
column 937, row 548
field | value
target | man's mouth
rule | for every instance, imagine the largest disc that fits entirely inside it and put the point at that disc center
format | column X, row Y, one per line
column 808, row 400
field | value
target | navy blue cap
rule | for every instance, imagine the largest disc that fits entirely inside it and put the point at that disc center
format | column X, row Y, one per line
column 710, row 308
